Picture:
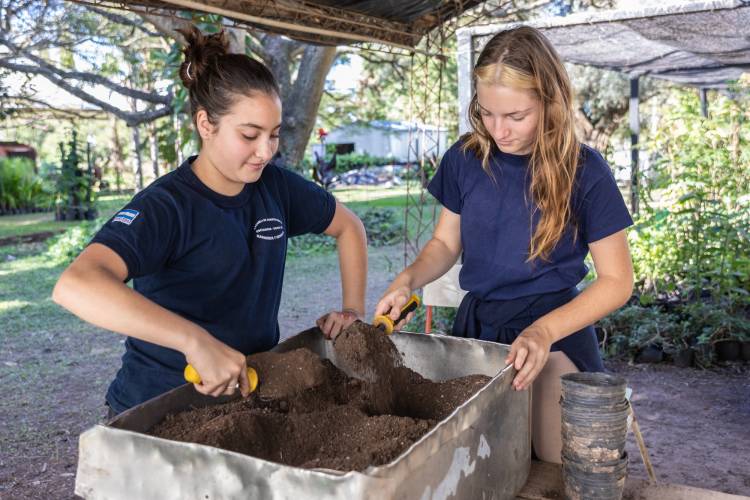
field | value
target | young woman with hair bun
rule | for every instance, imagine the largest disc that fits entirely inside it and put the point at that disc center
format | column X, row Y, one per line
column 205, row 245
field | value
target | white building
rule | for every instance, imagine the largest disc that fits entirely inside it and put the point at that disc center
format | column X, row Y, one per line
column 389, row 139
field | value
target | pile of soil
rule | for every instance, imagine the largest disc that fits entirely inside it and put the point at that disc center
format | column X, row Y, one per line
column 308, row 413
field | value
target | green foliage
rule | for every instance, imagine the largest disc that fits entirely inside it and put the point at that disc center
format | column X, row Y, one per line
column 310, row 243
column 442, row 320
column 694, row 231
column 632, row 328
column 698, row 325
column 705, row 323
column 383, row 225
column 73, row 185
column 351, row 161
column 62, row 249
column 20, row 187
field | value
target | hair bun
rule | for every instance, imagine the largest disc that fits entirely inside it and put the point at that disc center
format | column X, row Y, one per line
column 199, row 52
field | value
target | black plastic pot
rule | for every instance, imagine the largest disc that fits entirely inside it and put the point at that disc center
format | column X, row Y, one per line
column 585, row 480
column 650, row 354
column 592, row 389
column 745, row 351
column 728, row 350
column 594, row 416
column 684, row 357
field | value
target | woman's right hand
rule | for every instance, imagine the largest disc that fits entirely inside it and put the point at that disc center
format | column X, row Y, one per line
column 220, row 367
column 392, row 302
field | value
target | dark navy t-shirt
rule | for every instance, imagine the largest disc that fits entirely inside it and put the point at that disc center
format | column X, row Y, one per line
column 215, row 260
column 496, row 222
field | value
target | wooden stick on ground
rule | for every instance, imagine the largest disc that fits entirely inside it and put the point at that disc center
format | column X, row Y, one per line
column 642, row 446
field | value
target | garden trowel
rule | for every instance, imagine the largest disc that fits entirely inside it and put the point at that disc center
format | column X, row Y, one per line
column 192, row 376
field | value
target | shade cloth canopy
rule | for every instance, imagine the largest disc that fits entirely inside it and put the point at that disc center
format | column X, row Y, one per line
column 704, row 44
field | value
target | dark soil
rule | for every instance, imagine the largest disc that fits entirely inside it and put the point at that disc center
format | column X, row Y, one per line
column 366, row 353
column 28, row 238
column 308, row 413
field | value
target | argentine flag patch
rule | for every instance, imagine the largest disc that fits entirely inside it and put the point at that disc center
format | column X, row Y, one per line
column 126, row 216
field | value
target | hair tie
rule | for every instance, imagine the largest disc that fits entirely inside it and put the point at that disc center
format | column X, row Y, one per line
column 187, row 70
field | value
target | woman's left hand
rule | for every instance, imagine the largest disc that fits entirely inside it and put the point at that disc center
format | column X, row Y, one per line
column 528, row 354
column 332, row 323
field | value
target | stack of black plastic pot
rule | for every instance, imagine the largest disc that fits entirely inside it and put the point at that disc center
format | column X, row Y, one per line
column 594, row 427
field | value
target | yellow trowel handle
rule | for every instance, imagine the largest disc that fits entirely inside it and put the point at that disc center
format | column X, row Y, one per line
column 192, row 376
column 387, row 324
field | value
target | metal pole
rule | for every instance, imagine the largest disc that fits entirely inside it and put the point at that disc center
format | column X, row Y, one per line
column 704, row 101
column 634, row 131
column 465, row 88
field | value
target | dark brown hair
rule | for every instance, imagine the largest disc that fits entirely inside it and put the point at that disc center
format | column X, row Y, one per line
column 214, row 77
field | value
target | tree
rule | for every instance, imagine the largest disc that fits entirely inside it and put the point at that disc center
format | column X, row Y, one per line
column 602, row 100
column 138, row 60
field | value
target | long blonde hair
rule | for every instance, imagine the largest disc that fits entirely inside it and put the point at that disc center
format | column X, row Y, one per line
column 523, row 59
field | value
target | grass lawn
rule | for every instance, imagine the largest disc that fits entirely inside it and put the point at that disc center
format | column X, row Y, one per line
column 357, row 197
column 21, row 225
column 42, row 222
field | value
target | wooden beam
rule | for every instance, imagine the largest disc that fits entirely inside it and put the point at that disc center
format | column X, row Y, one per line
column 282, row 25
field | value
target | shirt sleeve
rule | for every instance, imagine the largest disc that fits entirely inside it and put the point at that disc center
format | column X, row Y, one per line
column 311, row 208
column 444, row 185
column 603, row 211
column 142, row 233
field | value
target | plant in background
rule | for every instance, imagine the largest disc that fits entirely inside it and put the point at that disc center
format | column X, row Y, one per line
column 383, row 225
column 633, row 328
column 20, row 188
column 706, row 323
column 65, row 247
column 693, row 237
column 74, row 192
column 442, row 320
column 351, row 161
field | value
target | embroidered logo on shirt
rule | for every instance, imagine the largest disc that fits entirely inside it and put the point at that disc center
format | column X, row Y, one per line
column 126, row 216
column 269, row 229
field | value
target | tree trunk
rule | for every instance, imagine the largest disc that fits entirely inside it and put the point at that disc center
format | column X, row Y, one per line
column 595, row 135
column 177, row 123
column 137, row 164
column 154, row 149
column 119, row 163
column 236, row 39
column 301, row 105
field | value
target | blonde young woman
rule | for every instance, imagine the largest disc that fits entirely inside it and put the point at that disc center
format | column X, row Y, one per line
column 525, row 202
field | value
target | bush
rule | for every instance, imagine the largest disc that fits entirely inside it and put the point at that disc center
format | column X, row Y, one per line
column 383, row 225
column 693, row 237
column 698, row 325
column 442, row 320
column 20, row 187
column 351, row 161
column 632, row 328
column 66, row 246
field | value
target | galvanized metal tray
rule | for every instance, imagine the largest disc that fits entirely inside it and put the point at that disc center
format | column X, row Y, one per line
column 481, row 451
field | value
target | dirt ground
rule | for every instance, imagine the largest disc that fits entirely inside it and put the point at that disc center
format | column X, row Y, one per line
column 695, row 422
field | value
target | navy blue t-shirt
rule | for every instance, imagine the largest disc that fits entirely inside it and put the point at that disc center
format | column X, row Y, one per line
column 496, row 222
column 215, row 260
